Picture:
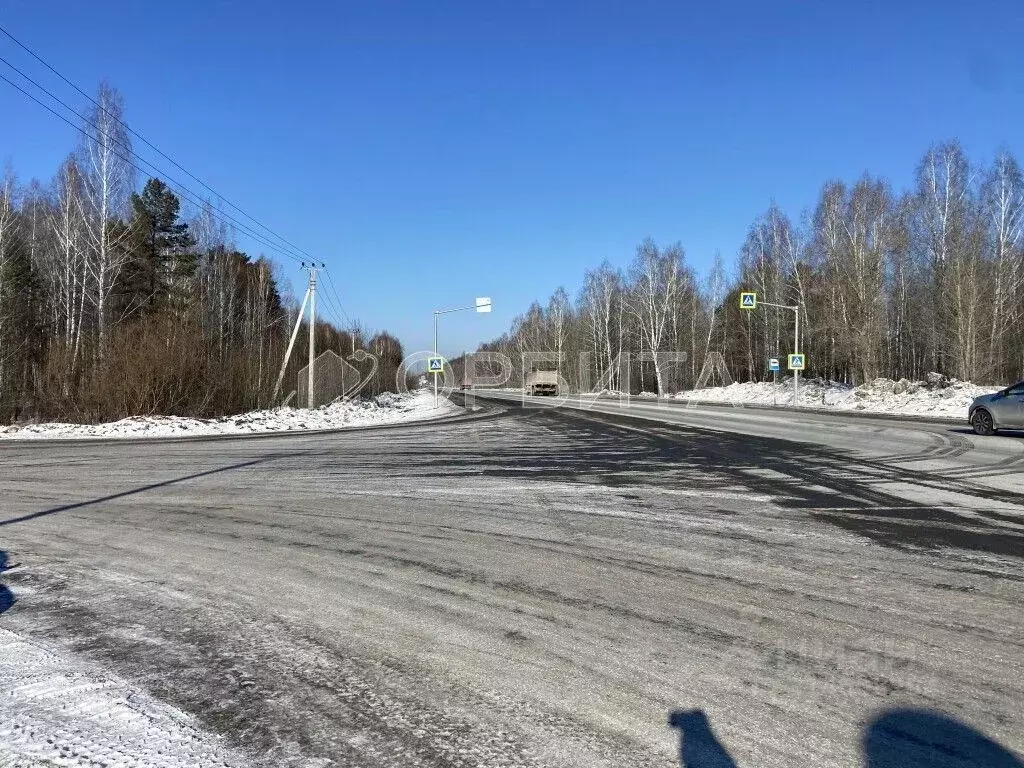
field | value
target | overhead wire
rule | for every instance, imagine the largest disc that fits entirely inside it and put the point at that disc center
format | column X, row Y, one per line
column 184, row 191
column 263, row 235
column 187, row 193
column 145, row 141
column 337, row 296
column 331, row 305
column 289, row 249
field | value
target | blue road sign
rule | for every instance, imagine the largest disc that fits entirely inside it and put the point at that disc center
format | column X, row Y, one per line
column 435, row 365
column 773, row 365
column 797, row 362
column 748, row 300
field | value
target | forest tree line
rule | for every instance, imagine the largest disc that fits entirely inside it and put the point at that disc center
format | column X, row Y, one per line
column 113, row 303
column 888, row 284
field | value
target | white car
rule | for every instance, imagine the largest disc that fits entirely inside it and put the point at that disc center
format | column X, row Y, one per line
column 1001, row 410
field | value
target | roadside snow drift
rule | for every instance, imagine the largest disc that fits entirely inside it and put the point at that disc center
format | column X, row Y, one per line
column 387, row 408
column 938, row 396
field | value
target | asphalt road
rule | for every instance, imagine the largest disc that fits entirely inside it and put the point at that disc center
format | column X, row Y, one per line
column 533, row 587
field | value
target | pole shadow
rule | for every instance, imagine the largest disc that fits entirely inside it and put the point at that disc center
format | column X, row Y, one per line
column 131, row 492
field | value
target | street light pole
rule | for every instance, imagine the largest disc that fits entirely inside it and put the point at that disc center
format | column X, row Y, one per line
column 436, row 313
column 483, row 304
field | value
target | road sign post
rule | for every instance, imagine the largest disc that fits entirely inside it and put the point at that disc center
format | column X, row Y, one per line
column 773, row 366
column 748, row 300
column 796, row 349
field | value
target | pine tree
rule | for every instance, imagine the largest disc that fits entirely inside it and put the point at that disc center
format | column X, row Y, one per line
column 163, row 250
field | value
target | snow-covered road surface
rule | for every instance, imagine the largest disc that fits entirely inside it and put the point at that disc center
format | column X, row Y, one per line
column 387, row 408
column 60, row 710
column 538, row 588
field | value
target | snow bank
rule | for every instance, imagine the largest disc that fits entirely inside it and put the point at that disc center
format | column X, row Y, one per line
column 938, row 396
column 387, row 408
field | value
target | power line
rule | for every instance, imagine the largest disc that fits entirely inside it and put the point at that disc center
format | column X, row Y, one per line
column 186, row 192
column 141, row 138
column 330, row 284
column 331, row 304
column 323, row 294
column 333, row 301
column 335, row 311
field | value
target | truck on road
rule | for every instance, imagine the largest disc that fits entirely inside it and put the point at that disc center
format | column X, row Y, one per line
column 541, row 383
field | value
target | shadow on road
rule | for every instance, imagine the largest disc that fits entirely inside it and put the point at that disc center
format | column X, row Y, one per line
column 836, row 486
column 698, row 745
column 132, row 492
column 912, row 738
column 1001, row 433
column 898, row 738
column 6, row 596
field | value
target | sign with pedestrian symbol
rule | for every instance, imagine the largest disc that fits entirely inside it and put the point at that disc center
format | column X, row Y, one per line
column 748, row 300
column 773, row 364
column 435, row 365
column 797, row 362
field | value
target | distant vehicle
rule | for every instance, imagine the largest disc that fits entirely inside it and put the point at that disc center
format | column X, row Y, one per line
column 541, row 383
column 1001, row 410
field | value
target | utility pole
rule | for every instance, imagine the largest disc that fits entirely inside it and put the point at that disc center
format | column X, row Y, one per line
column 310, row 299
column 312, row 334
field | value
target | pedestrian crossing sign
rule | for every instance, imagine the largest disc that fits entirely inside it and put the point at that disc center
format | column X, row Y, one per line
column 748, row 300
column 435, row 365
column 797, row 362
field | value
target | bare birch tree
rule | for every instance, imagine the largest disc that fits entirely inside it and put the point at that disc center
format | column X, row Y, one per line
column 65, row 270
column 1003, row 203
column 8, row 224
column 656, row 284
column 109, row 181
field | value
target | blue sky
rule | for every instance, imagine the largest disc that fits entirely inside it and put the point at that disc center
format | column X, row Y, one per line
column 431, row 152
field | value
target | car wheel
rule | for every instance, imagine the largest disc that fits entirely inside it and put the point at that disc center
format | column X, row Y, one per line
column 983, row 423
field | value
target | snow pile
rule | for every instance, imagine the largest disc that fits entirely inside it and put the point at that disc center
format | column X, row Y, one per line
column 57, row 709
column 387, row 408
column 936, row 396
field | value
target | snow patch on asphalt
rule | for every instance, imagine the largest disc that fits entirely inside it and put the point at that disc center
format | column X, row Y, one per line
column 58, row 710
column 941, row 397
column 387, row 408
